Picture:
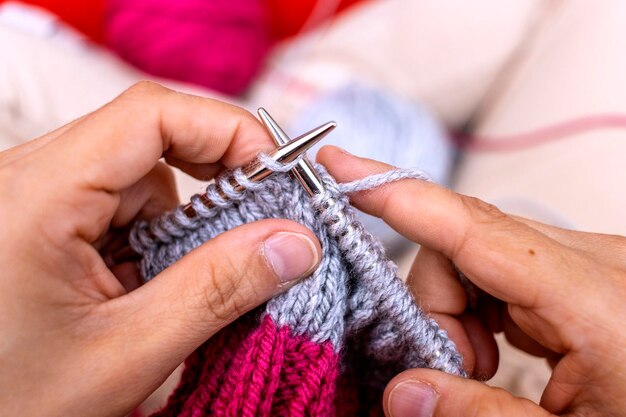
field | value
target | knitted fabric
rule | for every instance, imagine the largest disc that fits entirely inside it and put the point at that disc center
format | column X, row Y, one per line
column 327, row 346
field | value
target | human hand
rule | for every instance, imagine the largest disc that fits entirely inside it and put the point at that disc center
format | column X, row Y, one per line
column 555, row 293
column 77, row 335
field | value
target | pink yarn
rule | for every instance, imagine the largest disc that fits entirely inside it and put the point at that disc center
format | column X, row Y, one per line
column 218, row 44
column 257, row 373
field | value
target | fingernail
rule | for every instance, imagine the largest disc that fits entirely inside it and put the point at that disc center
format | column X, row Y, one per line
column 412, row 399
column 291, row 255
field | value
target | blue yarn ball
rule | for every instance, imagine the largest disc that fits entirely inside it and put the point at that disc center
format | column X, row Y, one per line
column 377, row 124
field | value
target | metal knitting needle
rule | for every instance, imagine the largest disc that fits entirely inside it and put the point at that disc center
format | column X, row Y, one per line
column 304, row 171
column 287, row 152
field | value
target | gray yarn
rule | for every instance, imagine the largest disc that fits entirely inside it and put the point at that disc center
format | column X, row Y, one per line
column 355, row 297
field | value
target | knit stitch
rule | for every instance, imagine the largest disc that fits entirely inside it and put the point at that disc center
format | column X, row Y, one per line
column 353, row 319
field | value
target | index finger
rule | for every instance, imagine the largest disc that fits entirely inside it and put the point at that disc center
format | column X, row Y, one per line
column 503, row 256
column 115, row 146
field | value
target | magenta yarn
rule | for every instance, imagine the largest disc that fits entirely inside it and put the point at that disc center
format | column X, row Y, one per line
column 219, row 44
column 259, row 372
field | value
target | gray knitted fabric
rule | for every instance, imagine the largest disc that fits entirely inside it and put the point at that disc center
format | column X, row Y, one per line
column 354, row 299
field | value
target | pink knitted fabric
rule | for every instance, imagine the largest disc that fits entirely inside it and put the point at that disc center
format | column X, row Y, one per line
column 218, row 44
column 260, row 373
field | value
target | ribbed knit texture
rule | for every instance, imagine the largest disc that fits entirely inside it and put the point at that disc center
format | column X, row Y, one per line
column 353, row 320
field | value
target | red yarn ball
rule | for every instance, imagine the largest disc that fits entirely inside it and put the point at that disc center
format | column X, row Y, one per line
column 219, row 44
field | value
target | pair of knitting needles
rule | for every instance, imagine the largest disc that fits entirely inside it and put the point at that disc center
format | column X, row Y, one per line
column 303, row 171
column 286, row 152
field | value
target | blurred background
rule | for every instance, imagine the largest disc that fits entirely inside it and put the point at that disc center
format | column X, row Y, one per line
column 521, row 103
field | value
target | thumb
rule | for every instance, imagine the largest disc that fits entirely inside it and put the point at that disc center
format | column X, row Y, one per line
column 171, row 315
column 426, row 393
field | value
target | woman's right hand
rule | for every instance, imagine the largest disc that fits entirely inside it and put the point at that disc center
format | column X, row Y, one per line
column 555, row 293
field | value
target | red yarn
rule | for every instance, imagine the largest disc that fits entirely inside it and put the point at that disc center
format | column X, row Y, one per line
column 219, row 44
column 256, row 373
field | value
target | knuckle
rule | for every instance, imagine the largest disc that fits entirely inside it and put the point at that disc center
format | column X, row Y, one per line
column 145, row 88
column 480, row 211
column 142, row 102
column 223, row 296
column 164, row 175
column 142, row 95
column 479, row 214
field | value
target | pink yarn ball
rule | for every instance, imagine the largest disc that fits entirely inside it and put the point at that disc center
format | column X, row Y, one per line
column 218, row 44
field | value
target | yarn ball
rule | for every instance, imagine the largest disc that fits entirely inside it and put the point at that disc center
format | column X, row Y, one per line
column 378, row 124
column 219, row 44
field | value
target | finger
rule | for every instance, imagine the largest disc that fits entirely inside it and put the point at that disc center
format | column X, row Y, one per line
column 611, row 249
column 17, row 152
column 459, row 335
column 474, row 342
column 127, row 137
column 521, row 340
column 435, row 283
column 425, row 392
column 170, row 316
column 435, row 287
column 152, row 195
column 117, row 145
column 126, row 271
column 128, row 275
column 496, row 252
column 202, row 172
column 488, row 309
column 484, row 346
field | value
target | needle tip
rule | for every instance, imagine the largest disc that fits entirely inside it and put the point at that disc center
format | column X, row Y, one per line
column 292, row 149
column 277, row 134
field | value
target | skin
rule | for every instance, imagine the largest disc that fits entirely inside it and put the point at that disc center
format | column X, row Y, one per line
column 75, row 339
column 555, row 293
column 80, row 337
